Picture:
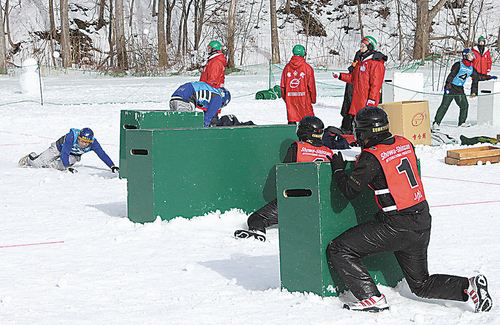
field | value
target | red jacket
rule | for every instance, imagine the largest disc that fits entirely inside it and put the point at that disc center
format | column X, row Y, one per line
column 482, row 63
column 298, row 89
column 213, row 72
column 366, row 78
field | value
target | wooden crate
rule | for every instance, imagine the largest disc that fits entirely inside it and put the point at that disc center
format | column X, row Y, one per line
column 471, row 156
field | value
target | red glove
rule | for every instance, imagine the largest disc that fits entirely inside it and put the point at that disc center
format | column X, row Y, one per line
column 336, row 76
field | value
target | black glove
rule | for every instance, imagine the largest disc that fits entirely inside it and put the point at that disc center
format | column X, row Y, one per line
column 72, row 170
column 115, row 169
column 337, row 162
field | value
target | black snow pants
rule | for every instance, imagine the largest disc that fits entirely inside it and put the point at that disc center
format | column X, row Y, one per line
column 346, row 104
column 345, row 252
column 266, row 216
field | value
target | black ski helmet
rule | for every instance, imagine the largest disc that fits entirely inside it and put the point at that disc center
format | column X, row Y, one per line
column 369, row 123
column 310, row 128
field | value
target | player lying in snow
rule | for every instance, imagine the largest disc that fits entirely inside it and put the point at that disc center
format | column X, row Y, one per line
column 388, row 165
column 67, row 151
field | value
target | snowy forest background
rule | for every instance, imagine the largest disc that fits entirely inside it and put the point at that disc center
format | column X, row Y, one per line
column 149, row 37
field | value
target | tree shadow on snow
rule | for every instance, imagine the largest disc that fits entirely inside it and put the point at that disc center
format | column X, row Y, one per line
column 258, row 273
column 113, row 209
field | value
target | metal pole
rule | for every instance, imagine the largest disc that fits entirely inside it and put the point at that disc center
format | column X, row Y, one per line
column 40, row 83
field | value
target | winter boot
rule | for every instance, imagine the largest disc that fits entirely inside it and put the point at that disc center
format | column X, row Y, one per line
column 373, row 304
column 478, row 293
column 435, row 126
column 23, row 162
column 243, row 234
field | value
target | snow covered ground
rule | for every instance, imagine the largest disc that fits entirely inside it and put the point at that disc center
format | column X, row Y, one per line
column 109, row 270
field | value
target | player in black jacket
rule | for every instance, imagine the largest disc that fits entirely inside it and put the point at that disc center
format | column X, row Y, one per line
column 387, row 165
column 309, row 148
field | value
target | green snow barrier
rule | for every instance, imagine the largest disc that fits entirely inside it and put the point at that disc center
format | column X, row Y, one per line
column 312, row 212
column 190, row 172
column 134, row 119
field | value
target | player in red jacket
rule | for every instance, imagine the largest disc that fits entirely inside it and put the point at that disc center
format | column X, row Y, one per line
column 213, row 72
column 367, row 76
column 482, row 63
column 298, row 87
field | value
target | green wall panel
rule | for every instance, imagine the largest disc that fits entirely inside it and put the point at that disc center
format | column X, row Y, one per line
column 142, row 119
column 308, row 223
column 190, row 172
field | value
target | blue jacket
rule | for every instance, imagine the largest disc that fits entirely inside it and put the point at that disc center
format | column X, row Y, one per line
column 68, row 145
column 201, row 94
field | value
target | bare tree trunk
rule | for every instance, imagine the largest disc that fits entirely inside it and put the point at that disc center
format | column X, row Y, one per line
column 111, row 35
column 275, row 48
column 121, row 48
column 7, row 26
column 181, row 21
column 246, row 33
column 162, row 47
column 231, row 17
column 288, row 8
column 65, row 40
column 131, row 14
column 400, row 32
column 199, row 17
column 424, row 22
column 170, row 8
column 52, row 19
column 154, row 13
column 360, row 20
column 498, row 39
column 185, row 28
column 3, row 47
column 100, row 21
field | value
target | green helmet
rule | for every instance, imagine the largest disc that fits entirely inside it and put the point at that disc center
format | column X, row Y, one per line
column 481, row 38
column 216, row 45
column 299, row 50
column 370, row 40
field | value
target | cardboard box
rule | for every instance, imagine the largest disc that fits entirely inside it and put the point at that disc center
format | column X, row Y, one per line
column 410, row 119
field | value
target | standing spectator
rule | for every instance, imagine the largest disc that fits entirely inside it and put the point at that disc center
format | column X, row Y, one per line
column 213, row 72
column 346, row 104
column 454, row 89
column 366, row 78
column 482, row 63
column 298, row 87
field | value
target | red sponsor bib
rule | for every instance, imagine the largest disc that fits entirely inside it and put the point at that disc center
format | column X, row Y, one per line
column 399, row 163
column 306, row 152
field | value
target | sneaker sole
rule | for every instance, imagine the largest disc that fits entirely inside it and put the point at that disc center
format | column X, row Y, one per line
column 482, row 288
column 368, row 309
column 243, row 234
